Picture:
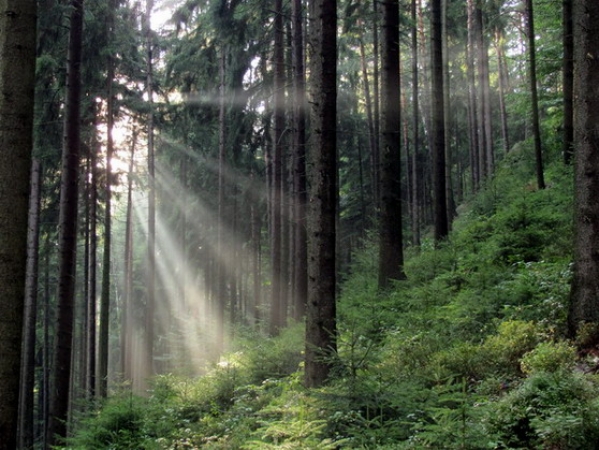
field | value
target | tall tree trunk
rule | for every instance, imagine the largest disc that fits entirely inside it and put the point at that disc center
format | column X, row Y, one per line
column 321, row 328
column 27, row 386
column 447, row 116
column 499, row 49
column 473, row 109
column 390, row 240
column 299, row 145
column 67, row 238
column 532, row 76
column 17, row 56
column 441, row 219
column 416, row 173
column 92, row 263
column 106, row 263
column 584, row 296
column 377, row 105
column 568, row 80
column 151, row 277
column 127, row 329
column 220, row 246
column 277, row 290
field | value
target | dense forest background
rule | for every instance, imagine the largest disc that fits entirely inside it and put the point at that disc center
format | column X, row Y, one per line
column 313, row 225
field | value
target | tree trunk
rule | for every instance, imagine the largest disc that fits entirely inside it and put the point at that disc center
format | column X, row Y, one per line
column 127, row 329
column 321, row 332
column 473, row 109
column 376, row 106
column 67, row 238
column 92, row 264
column 416, row 173
column 17, row 56
column 438, row 130
column 532, row 77
column 151, row 277
column 106, row 263
column 391, row 242
column 27, row 386
column 299, row 144
column 584, row 296
column 568, row 80
column 277, row 290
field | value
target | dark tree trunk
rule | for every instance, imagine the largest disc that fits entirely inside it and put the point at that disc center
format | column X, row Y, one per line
column 584, row 296
column 67, row 238
column 473, row 109
column 321, row 329
column 92, row 264
column 391, row 242
column 26, row 397
column 532, row 76
column 106, row 263
column 299, row 145
column 438, row 130
column 376, row 105
column 17, row 56
column 277, row 290
column 568, row 79
column 416, row 173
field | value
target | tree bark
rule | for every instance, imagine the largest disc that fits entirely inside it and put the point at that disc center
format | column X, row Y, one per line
column 67, row 238
column 390, row 240
column 584, row 295
column 151, row 273
column 568, row 80
column 27, row 386
column 532, row 78
column 277, row 290
column 17, row 54
column 321, row 329
column 106, row 263
column 299, row 144
column 439, row 180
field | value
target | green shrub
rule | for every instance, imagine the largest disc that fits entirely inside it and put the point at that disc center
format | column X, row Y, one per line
column 556, row 410
column 549, row 357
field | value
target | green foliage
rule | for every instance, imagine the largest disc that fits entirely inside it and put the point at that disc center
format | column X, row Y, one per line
column 549, row 357
column 548, row 410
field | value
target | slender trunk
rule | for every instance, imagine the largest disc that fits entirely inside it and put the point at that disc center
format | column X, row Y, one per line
column 67, row 238
column 151, row 278
column 26, row 397
column 220, row 249
column 376, row 102
column 532, row 67
column 499, row 39
column 299, row 99
column 276, row 313
column 92, row 265
column 127, row 329
column 106, row 263
column 568, row 80
column 416, row 175
column 441, row 220
column 473, row 123
column 447, row 116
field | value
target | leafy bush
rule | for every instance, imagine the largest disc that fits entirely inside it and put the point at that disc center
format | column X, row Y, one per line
column 556, row 410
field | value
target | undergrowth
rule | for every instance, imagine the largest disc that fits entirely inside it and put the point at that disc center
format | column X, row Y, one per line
column 467, row 353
